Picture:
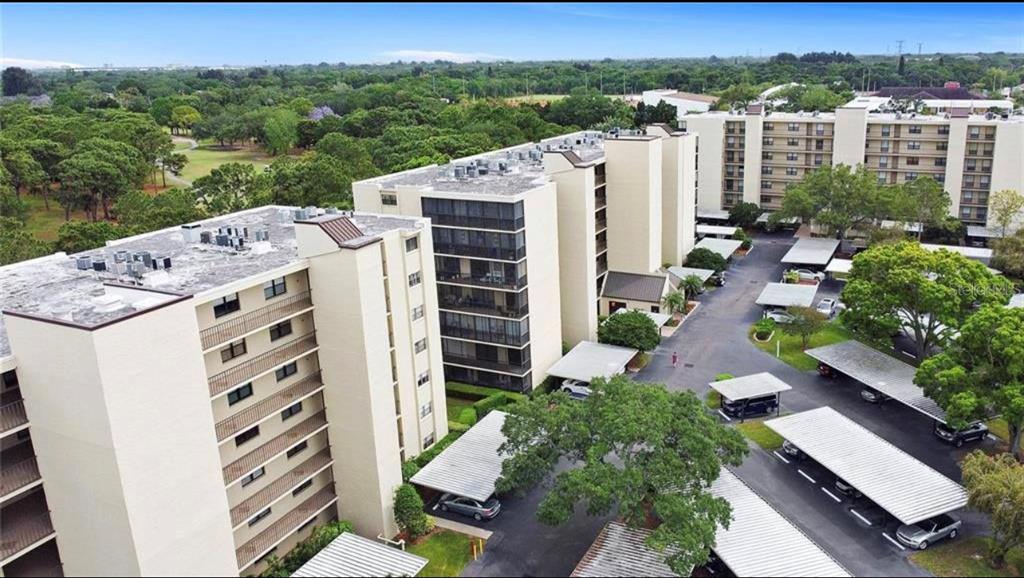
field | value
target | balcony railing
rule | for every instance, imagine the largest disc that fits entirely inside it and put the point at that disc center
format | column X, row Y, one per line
column 19, row 532
column 281, row 529
column 244, row 372
column 269, row 406
column 16, row 476
column 12, row 416
column 267, row 451
column 263, row 498
column 489, row 281
column 481, row 307
column 238, row 326
column 517, row 369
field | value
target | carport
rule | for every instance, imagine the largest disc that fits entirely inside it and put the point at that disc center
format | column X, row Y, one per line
column 589, row 360
column 899, row 483
column 763, row 220
column 471, row 465
column 352, row 555
column 811, row 251
column 720, row 231
column 680, row 273
column 751, row 386
column 659, row 319
column 784, row 295
column 977, row 253
column 878, row 371
column 724, row 247
column 713, row 214
column 839, row 268
column 622, row 551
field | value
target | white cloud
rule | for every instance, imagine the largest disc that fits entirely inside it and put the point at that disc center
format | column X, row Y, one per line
column 432, row 55
column 6, row 61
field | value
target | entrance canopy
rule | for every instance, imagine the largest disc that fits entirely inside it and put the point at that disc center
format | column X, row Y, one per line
column 471, row 465
column 787, row 295
column 900, row 484
column 878, row 371
column 749, row 386
column 724, row 247
column 589, row 360
column 811, row 251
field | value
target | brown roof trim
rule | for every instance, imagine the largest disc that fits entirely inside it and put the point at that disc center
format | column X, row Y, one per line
column 342, row 231
column 575, row 160
column 75, row 325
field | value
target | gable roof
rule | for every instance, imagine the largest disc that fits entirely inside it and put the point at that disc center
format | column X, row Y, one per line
column 634, row 287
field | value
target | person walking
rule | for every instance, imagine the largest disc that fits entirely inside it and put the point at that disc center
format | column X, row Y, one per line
column 675, row 359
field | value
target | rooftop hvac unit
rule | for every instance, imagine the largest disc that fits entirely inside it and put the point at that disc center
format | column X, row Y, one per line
column 300, row 215
column 206, row 237
column 121, row 257
column 190, row 233
column 223, row 241
column 166, row 262
column 471, row 171
column 332, row 210
column 136, row 269
column 460, row 172
column 83, row 263
column 99, row 265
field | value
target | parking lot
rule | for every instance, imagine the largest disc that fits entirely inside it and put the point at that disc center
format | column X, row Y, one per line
column 713, row 341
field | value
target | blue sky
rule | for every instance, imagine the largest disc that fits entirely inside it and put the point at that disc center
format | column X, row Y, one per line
column 250, row 34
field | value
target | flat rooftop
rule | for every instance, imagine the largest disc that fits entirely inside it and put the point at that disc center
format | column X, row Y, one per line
column 505, row 172
column 56, row 288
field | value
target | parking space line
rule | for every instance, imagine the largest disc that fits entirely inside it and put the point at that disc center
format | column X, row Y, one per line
column 831, row 495
column 778, row 455
column 721, row 413
column 895, row 543
column 862, row 518
column 809, row 478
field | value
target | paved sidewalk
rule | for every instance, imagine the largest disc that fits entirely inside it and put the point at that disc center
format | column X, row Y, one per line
column 462, row 528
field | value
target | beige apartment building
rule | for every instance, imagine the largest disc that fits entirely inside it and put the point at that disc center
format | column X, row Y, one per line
column 752, row 156
column 524, row 238
column 200, row 398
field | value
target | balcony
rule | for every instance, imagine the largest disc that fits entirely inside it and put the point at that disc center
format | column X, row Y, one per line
column 489, row 281
column 600, row 224
column 279, row 487
column 252, row 550
column 18, row 475
column 262, row 363
column 481, row 307
column 26, row 524
column 269, row 406
column 277, row 445
column 12, row 417
column 262, row 317
column 516, row 369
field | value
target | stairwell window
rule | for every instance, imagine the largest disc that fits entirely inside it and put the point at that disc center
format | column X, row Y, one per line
column 411, row 244
column 415, row 279
column 426, row 409
column 417, row 312
column 420, row 345
column 423, row 378
column 428, row 441
column 274, row 288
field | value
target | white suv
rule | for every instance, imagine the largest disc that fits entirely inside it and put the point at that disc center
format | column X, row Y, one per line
column 808, row 275
column 575, row 388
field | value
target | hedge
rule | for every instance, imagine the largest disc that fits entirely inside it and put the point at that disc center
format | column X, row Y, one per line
column 425, row 457
column 464, row 390
column 467, row 416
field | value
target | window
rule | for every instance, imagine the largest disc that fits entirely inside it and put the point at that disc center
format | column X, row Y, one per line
column 791, row 171
column 940, row 162
column 253, row 476
column 417, row 312
column 909, row 176
column 818, row 159
column 388, row 199
column 791, row 156
column 237, row 395
column 297, row 450
column 302, row 487
column 974, row 132
column 913, row 161
column 233, row 350
column 913, row 145
column 766, row 184
column 286, row 371
column 944, row 129
column 942, row 146
column 426, row 409
column 414, row 279
column 793, row 127
column 411, row 244
column 274, row 288
column 291, row 410
column 256, row 519
column 768, row 141
column 883, row 162
column 793, row 142
column 423, row 378
column 226, row 305
column 428, row 441
column 769, row 126
column 766, row 170
column 914, row 129
column 247, row 435
column 420, row 345
column 766, row 156
column 280, row 330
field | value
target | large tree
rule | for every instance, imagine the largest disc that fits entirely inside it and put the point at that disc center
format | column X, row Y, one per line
column 231, row 187
column 806, row 322
column 1007, row 207
column 1008, row 255
column 929, row 294
column 281, row 131
column 982, row 373
column 635, row 448
column 922, row 201
column 995, row 486
column 631, row 329
column 838, row 199
column 17, row 244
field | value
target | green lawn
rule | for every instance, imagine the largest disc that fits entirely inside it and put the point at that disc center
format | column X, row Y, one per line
column 536, row 98
column 448, row 553
column 204, row 159
column 760, row 434
column 43, row 223
column 455, row 405
column 999, row 428
column 792, row 349
column 962, row 557
column 713, row 400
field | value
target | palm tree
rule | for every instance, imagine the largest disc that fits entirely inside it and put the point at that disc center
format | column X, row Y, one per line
column 675, row 302
column 691, row 286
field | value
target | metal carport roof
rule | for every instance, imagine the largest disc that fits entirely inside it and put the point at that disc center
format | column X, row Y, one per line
column 353, row 555
column 811, row 251
column 977, row 253
column 622, row 551
column 716, row 230
column 762, row 542
column 681, row 273
column 878, row 371
column 724, row 247
column 837, row 265
column 787, row 295
column 749, row 386
column 983, row 232
column 471, row 465
column 589, row 360
column 713, row 214
column 896, row 481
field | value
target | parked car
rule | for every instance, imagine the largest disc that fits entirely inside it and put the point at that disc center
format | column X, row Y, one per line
column 717, row 279
column 808, row 275
column 792, row 451
column 826, row 370
column 872, row 395
column 780, row 316
column 827, row 307
column 470, row 507
column 927, row 532
column 576, row 389
column 846, row 489
column 750, row 407
column 973, row 432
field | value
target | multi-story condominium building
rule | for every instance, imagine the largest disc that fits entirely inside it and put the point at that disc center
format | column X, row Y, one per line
column 525, row 237
column 753, row 156
column 200, row 398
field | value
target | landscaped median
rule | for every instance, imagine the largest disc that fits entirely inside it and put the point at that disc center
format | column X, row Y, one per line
column 448, row 552
column 962, row 557
column 791, row 349
column 760, row 434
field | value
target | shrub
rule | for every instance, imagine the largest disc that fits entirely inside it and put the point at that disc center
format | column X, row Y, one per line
column 409, row 514
column 487, row 404
column 746, row 240
column 318, row 539
column 409, row 469
column 425, row 457
column 724, row 376
column 706, row 259
column 763, row 328
column 630, row 329
column 457, row 427
column 791, row 277
column 744, row 214
column 467, row 416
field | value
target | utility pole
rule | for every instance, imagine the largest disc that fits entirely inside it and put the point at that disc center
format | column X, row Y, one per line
column 899, row 49
column 919, row 49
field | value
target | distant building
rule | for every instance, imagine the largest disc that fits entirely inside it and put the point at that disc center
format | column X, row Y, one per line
column 683, row 101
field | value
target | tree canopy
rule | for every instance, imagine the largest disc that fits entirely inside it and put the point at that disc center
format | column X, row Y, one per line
column 631, row 329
